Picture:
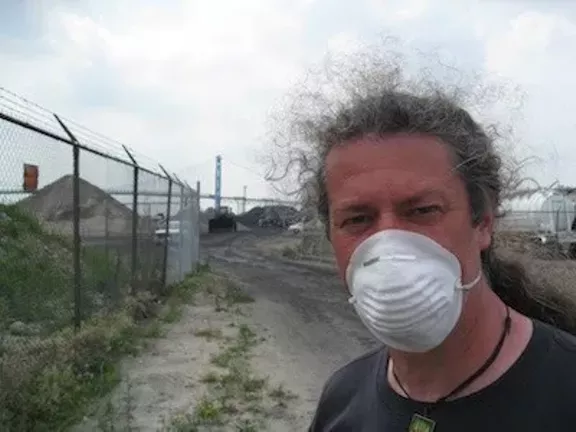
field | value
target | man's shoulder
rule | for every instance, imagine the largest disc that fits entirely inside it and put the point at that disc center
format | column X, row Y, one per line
column 348, row 377
column 555, row 354
column 555, row 374
column 346, row 385
column 563, row 344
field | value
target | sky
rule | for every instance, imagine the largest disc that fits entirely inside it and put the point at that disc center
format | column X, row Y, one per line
column 181, row 81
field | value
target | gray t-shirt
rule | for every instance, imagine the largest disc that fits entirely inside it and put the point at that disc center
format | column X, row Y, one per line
column 538, row 393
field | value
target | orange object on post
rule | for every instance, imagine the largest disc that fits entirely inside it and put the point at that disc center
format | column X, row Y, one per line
column 30, row 177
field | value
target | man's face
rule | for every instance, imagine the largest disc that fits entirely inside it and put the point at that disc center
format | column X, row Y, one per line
column 401, row 182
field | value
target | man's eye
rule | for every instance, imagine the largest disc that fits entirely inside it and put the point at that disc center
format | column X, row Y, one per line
column 356, row 220
column 426, row 210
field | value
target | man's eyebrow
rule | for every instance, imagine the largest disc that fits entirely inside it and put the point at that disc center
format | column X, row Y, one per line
column 352, row 208
column 423, row 194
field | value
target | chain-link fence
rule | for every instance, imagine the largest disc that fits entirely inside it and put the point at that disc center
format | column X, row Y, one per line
column 81, row 231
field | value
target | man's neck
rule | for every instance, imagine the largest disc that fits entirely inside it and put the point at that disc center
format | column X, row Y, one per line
column 433, row 375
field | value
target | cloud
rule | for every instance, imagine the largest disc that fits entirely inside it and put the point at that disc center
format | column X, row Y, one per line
column 525, row 43
column 533, row 49
column 344, row 43
column 400, row 12
column 536, row 50
column 182, row 81
column 178, row 81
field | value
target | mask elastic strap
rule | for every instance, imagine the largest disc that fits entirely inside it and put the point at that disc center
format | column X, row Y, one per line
column 469, row 285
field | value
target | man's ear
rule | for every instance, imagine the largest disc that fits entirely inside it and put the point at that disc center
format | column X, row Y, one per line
column 485, row 229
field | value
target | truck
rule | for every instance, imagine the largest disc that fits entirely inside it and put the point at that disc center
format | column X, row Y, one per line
column 224, row 220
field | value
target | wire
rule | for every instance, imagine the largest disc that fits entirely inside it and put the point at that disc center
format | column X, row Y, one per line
column 250, row 170
column 30, row 111
column 195, row 165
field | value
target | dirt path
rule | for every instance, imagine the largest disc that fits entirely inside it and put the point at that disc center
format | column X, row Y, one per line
column 302, row 328
column 313, row 327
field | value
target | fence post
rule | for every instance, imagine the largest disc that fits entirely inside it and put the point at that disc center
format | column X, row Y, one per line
column 76, row 225
column 168, row 209
column 134, row 264
column 106, row 232
column 181, row 236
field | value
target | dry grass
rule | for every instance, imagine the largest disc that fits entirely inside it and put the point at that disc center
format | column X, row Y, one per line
column 525, row 244
column 553, row 276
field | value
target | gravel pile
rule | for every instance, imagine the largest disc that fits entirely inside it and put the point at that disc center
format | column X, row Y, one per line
column 99, row 211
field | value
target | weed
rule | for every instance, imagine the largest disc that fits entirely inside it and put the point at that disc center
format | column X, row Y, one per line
column 236, row 395
column 106, row 420
column 68, row 376
column 209, row 333
column 289, row 252
column 116, row 416
column 222, row 359
column 218, row 304
column 247, row 425
column 254, row 385
column 227, row 294
column 204, row 267
column 152, row 330
column 235, row 295
column 172, row 313
column 207, row 412
column 281, row 395
column 210, row 378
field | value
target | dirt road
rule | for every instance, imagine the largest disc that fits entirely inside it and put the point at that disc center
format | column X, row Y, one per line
column 311, row 325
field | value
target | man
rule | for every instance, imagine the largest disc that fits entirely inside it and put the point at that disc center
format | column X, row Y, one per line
column 409, row 187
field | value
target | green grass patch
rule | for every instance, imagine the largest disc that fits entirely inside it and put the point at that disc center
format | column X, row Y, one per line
column 51, row 375
column 37, row 277
column 238, row 351
column 48, row 385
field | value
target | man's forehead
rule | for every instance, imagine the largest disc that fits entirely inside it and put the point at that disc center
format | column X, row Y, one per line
column 362, row 198
column 412, row 153
column 412, row 180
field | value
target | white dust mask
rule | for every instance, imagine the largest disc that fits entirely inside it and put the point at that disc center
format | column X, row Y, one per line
column 407, row 289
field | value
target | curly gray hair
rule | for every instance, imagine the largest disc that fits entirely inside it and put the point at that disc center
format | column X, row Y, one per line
column 377, row 100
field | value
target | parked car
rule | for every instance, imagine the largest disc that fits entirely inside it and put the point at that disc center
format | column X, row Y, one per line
column 173, row 233
column 296, row 228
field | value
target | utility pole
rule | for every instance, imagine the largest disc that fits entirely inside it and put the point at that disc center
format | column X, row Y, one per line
column 244, row 200
column 218, row 184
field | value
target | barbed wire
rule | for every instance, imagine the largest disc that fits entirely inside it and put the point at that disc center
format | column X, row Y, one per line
column 31, row 112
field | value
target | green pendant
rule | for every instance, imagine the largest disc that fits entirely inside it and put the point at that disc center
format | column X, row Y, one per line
column 421, row 424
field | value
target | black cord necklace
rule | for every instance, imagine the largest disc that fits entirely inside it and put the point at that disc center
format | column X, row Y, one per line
column 423, row 422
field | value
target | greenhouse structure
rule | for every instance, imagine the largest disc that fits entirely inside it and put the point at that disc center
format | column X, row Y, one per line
column 549, row 214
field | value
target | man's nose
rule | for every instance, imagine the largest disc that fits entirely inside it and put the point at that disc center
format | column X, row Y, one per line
column 389, row 220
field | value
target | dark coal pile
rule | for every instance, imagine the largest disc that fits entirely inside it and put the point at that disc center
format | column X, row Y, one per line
column 279, row 215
